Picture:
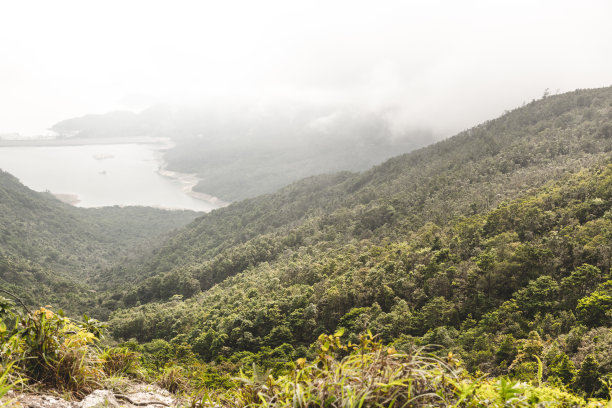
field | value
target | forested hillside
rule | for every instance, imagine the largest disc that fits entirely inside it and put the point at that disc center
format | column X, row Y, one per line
column 46, row 246
column 494, row 244
column 467, row 174
column 491, row 248
column 532, row 272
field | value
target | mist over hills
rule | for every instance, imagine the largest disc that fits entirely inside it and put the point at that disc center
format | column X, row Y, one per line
column 466, row 174
column 484, row 243
column 487, row 243
column 403, row 204
column 245, row 151
column 494, row 244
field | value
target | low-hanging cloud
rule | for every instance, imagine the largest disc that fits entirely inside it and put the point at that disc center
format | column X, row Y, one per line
column 438, row 65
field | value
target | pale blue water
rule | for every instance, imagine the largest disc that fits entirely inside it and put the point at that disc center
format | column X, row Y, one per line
column 100, row 175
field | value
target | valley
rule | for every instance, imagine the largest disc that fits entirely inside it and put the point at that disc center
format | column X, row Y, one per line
column 487, row 253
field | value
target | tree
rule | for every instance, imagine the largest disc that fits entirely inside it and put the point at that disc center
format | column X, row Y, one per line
column 580, row 282
column 525, row 365
column 437, row 312
column 538, row 296
column 279, row 335
column 506, row 351
column 587, row 379
column 596, row 309
column 562, row 368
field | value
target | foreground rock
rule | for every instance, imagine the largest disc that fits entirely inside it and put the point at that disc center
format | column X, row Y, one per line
column 147, row 396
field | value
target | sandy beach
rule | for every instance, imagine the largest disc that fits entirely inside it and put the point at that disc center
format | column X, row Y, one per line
column 188, row 182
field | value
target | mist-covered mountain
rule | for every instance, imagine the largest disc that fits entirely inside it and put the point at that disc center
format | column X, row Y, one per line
column 487, row 244
column 466, row 174
column 494, row 244
column 243, row 152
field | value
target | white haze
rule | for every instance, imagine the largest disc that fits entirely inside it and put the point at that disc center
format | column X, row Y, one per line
column 439, row 65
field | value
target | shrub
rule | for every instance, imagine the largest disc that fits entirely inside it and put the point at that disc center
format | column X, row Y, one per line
column 173, row 379
column 355, row 375
column 47, row 348
column 120, row 361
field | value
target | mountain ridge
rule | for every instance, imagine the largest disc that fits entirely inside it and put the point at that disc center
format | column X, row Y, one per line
column 501, row 158
column 494, row 245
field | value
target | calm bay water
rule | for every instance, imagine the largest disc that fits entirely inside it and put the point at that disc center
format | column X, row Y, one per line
column 101, row 175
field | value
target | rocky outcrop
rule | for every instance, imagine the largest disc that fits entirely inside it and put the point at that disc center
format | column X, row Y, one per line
column 140, row 396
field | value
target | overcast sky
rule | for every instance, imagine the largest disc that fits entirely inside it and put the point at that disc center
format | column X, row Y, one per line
column 443, row 65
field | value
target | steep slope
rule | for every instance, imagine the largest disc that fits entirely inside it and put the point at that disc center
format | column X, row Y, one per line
column 532, row 272
column 43, row 240
column 466, row 174
column 495, row 244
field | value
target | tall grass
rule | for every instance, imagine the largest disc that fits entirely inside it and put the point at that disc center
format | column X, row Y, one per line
column 5, row 385
column 367, row 374
column 45, row 349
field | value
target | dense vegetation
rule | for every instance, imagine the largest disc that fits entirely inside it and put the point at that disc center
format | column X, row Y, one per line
column 467, row 174
column 48, row 249
column 527, row 279
column 45, row 351
column 494, row 245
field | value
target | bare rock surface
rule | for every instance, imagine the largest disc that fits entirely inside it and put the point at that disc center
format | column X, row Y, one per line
column 141, row 396
column 37, row 401
column 100, row 399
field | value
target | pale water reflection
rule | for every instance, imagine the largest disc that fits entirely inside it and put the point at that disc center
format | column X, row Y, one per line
column 102, row 175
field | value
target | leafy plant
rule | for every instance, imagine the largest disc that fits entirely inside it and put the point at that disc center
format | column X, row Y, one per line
column 369, row 374
column 47, row 348
column 5, row 384
column 120, row 361
column 172, row 378
column 509, row 392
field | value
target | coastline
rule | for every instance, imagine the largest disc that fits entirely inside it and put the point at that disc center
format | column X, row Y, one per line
column 187, row 180
column 83, row 141
column 158, row 145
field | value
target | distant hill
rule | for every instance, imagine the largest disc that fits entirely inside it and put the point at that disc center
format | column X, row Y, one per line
column 40, row 233
column 113, row 124
column 245, row 152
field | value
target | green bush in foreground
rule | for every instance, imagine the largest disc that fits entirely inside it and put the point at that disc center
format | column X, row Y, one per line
column 44, row 349
column 369, row 374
